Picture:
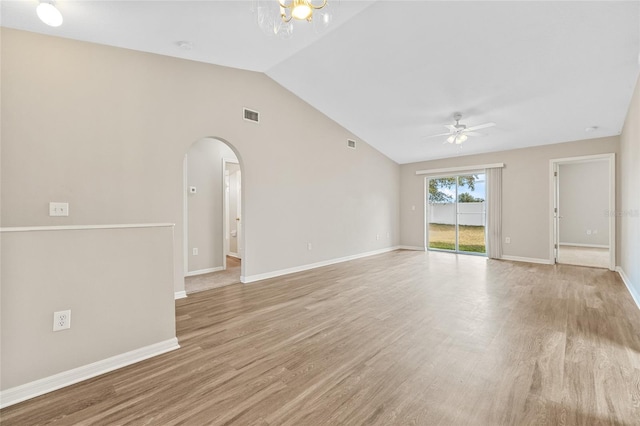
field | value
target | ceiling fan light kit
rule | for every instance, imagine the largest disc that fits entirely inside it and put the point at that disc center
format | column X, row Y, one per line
column 459, row 133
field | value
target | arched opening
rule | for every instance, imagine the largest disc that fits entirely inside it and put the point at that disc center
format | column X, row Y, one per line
column 213, row 241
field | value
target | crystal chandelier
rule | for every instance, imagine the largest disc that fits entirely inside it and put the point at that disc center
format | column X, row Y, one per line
column 276, row 17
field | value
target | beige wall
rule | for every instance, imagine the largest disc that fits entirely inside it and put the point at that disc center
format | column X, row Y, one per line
column 629, row 213
column 106, row 130
column 584, row 203
column 118, row 284
column 205, row 207
column 525, row 193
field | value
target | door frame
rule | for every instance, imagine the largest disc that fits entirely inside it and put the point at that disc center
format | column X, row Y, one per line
column 554, row 226
column 225, row 209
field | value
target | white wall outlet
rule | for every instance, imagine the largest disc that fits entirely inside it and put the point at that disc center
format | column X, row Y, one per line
column 193, row 190
column 309, row 246
column 388, row 235
column 413, row 208
column 507, row 240
column 194, row 251
column 588, row 231
column 58, row 209
column 377, row 237
column 61, row 320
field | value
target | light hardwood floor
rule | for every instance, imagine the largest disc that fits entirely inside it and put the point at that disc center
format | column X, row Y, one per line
column 401, row 338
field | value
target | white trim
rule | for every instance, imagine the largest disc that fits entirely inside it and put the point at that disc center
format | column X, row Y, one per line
column 204, row 271
column 236, row 255
column 625, row 279
column 185, row 215
column 180, row 295
column 553, row 225
column 459, row 169
column 527, row 259
column 273, row 274
column 84, row 227
column 585, row 245
column 582, row 158
column 48, row 384
column 415, row 248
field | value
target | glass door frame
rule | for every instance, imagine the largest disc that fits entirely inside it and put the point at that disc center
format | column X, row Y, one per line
column 457, row 213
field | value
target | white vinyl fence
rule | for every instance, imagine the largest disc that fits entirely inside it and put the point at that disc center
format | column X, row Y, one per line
column 473, row 214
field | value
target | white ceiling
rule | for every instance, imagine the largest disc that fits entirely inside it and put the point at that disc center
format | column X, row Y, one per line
column 394, row 72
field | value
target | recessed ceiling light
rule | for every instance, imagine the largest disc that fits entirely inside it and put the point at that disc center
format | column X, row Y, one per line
column 185, row 45
column 591, row 129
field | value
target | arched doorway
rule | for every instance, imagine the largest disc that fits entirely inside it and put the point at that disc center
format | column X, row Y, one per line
column 213, row 221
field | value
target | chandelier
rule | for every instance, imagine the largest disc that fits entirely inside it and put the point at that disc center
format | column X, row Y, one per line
column 299, row 9
column 276, row 17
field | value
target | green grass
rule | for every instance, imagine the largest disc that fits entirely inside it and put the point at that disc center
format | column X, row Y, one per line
column 462, row 247
column 470, row 238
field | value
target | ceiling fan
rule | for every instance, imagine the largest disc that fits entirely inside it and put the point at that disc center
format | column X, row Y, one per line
column 459, row 133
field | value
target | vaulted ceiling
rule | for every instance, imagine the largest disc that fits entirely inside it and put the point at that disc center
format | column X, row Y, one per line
column 394, row 72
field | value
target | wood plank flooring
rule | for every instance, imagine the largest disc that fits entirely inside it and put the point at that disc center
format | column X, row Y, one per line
column 401, row 338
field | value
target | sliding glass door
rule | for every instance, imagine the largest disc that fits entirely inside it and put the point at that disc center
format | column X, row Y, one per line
column 456, row 213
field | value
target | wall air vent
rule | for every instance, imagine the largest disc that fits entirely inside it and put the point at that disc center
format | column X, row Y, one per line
column 250, row 115
column 351, row 144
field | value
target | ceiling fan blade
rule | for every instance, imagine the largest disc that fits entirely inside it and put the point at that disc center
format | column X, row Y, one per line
column 436, row 136
column 481, row 126
column 474, row 134
column 451, row 127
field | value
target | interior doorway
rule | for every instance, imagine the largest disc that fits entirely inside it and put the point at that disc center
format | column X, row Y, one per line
column 213, row 249
column 583, row 211
column 233, row 208
column 456, row 213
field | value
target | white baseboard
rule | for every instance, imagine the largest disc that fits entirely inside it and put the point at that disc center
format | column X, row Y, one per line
column 627, row 282
column 585, row 245
column 204, row 271
column 273, row 274
column 48, row 384
column 180, row 295
column 416, row 248
column 236, row 255
column 527, row 259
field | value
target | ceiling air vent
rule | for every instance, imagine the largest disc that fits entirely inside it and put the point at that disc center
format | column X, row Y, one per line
column 250, row 115
column 351, row 144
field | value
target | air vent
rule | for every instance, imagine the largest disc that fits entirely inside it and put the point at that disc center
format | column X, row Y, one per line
column 250, row 115
column 351, row 144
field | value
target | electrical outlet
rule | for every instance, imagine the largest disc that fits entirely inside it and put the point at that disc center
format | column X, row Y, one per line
column 195, row 251
column 61, row 320
column 588, row 231
column 507, row 240
column 58, row 209
column 309, row 246
column 377, row 237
